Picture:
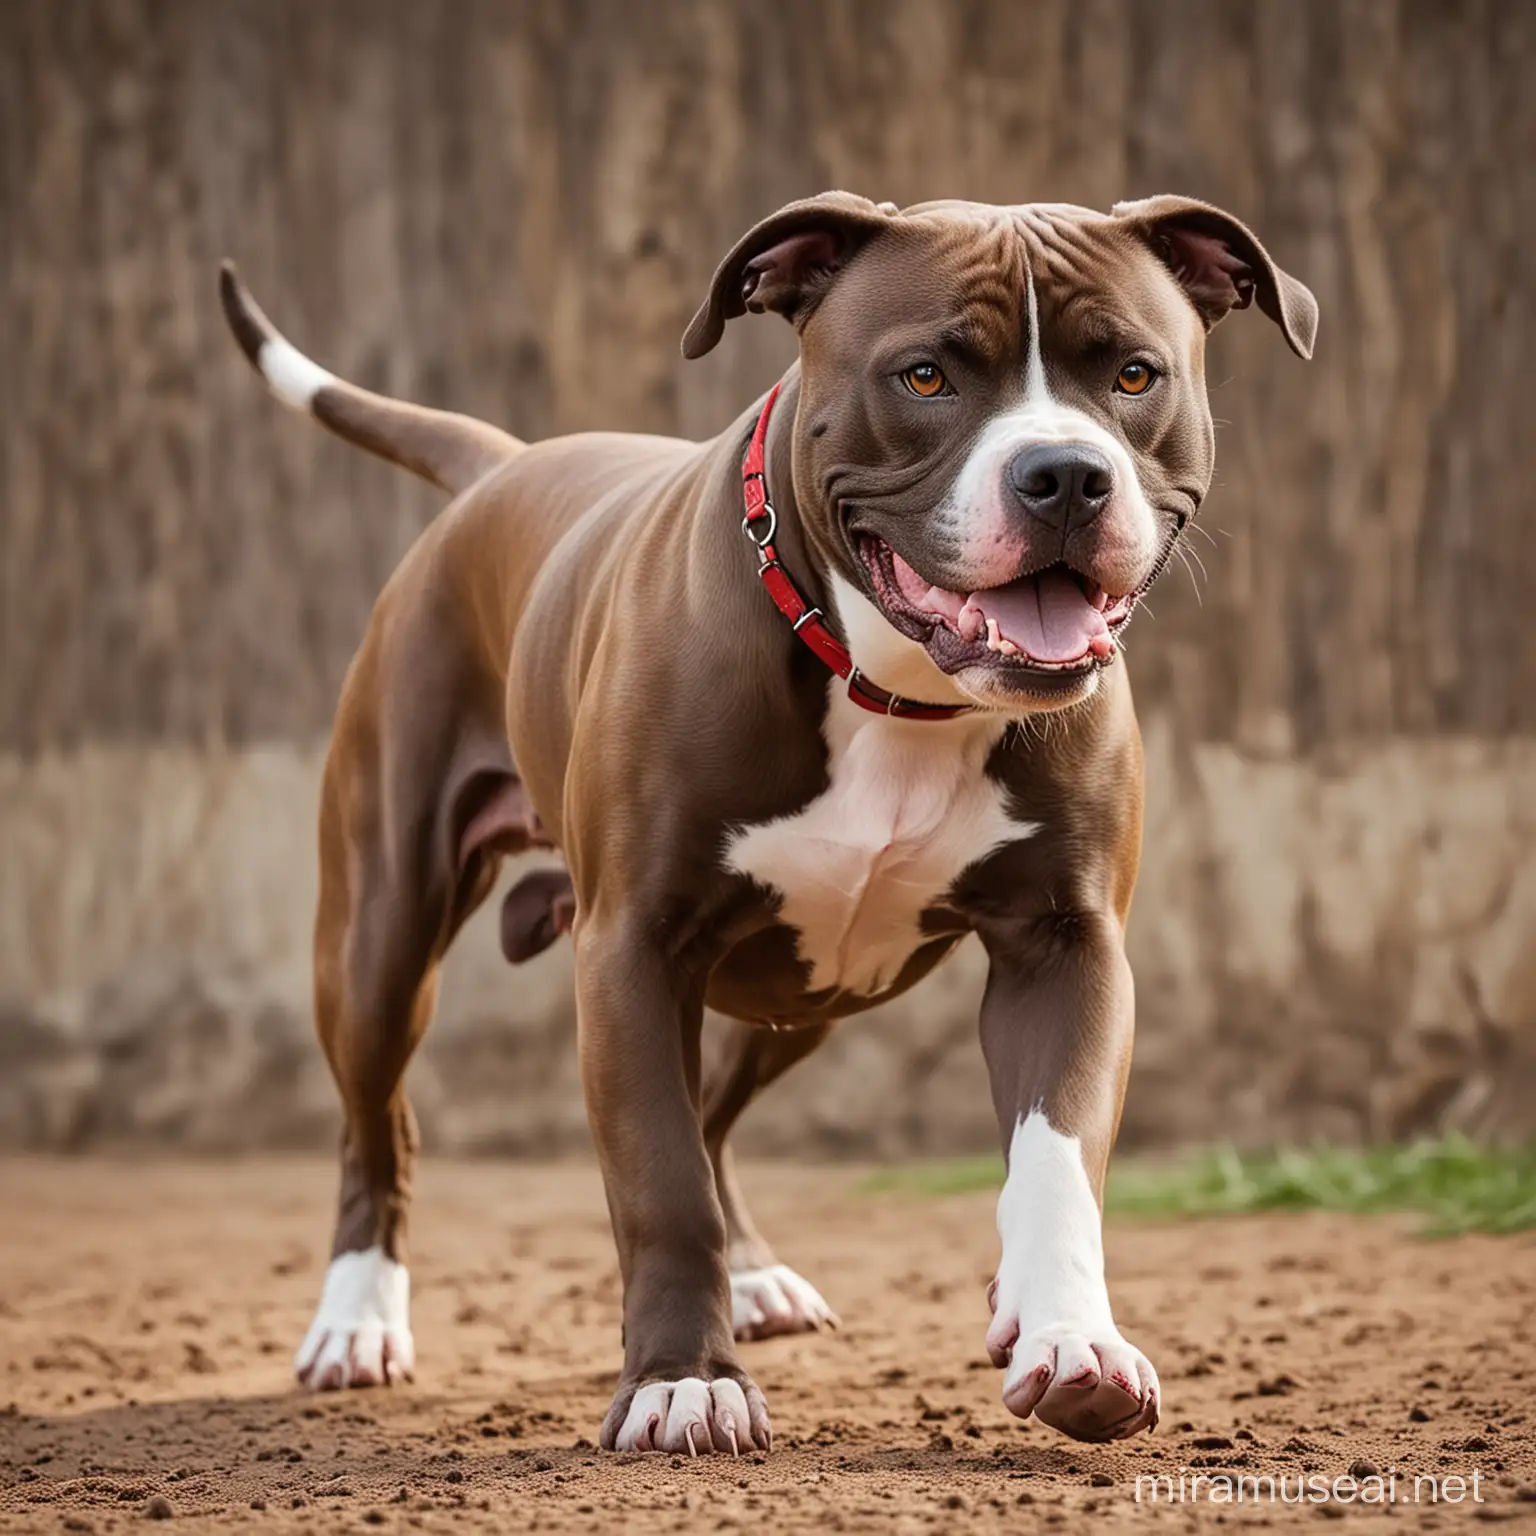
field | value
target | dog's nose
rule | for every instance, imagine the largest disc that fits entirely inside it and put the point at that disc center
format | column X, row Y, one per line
column 1063, row 484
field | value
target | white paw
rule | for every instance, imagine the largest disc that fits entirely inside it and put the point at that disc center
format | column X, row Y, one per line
column 689, row 1415
column 775, row 1300
column 1051, row 1324
column 361, row 1335
column 1092, row 1388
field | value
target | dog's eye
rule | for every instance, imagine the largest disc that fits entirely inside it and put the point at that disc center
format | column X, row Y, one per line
column 925, row 380
column 1134, row 379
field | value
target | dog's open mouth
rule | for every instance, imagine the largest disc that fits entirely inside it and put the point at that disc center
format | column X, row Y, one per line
column 1053, row 621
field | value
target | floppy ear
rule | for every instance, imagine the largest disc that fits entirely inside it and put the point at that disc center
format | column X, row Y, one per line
column 786, row 263
column 1221, row 265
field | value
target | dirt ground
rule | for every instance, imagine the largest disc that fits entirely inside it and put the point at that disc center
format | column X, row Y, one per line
column 148, row 1311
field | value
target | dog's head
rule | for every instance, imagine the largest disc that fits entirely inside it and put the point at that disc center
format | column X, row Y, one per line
column 1002, row 424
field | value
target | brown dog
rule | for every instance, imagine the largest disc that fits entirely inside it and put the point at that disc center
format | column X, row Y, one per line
column 995, row 434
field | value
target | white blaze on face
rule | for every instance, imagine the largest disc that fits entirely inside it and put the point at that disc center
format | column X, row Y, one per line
column 980, row 514
column 1036, row 392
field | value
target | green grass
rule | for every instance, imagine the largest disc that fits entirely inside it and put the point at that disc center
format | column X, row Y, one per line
column 1457, row 1186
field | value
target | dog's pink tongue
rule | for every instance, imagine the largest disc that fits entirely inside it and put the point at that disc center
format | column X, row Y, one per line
column 1046, row 616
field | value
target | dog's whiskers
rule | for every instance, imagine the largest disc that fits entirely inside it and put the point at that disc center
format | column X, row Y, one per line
column 1186, row 554
column 1194, row 580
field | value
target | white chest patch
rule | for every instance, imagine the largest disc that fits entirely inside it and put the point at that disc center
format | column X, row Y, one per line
column 909, row 806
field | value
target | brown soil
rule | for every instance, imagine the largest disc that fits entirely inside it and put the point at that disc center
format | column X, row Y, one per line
column 147, row 1312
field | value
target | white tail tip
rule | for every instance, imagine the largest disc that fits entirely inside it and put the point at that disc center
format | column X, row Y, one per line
column 292, row 377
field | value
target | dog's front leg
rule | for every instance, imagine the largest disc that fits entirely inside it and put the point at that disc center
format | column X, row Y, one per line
column 1056, row 1026
column 640, row 1018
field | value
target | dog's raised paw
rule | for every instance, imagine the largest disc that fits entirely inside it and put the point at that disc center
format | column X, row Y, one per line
column 1099, row 1388
column 690, row 1416
column 775, row 1300
column 361, row 1335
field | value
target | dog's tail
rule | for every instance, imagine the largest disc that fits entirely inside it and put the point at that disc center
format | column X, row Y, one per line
column 451, row 451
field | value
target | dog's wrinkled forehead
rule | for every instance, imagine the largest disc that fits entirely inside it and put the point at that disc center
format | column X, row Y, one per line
column 1093, row 279
column 940, row 254
column 1053, row 277
column 1049, row 242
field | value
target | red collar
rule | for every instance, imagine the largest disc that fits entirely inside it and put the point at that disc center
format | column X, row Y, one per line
column 761, row 525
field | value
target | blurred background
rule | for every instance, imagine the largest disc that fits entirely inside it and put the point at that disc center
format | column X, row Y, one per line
column 512, row 210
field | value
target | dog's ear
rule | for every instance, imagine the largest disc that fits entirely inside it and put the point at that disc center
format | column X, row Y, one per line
column 786, row 263
column 1221, row 266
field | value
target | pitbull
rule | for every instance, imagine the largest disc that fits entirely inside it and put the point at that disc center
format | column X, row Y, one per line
column 800, row 707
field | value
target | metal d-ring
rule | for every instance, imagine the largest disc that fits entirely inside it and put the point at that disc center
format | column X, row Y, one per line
column 749, row 523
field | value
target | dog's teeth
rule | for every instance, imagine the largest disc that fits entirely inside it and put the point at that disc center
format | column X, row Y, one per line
column 1008, row 648
column 993, row 635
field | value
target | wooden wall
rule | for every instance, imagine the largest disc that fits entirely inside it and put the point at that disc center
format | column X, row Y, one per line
column 512, row 209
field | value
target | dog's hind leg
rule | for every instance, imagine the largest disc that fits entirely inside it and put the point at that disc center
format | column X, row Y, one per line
column 767, row 1297
column 376, row 947
column 411, row 826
